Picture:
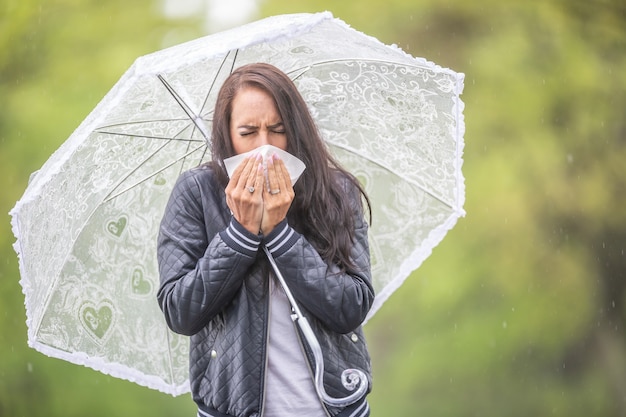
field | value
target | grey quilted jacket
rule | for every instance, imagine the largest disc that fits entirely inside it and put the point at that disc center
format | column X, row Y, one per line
column 214, row 288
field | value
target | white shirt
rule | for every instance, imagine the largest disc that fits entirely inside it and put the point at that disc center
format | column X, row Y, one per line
column 289, row 389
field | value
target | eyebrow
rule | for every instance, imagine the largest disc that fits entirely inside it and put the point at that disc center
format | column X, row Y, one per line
column 251, row 127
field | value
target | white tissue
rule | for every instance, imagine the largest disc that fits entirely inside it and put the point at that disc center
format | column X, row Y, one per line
column 294, row 165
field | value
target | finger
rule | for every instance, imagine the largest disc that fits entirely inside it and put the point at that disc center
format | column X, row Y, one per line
column 238, row 187
column 254, row 182
column 259, row 179
column 250, row 173
column 246, row 201
column 273, row 186
column 239, row 176
column 282, row 175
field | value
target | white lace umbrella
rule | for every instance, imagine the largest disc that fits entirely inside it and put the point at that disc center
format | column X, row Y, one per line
column 86, row 226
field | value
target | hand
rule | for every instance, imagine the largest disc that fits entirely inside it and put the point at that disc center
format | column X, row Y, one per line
column 244, row 193
column 278, row 194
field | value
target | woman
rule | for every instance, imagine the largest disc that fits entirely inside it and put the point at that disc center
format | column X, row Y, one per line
column 246, row 356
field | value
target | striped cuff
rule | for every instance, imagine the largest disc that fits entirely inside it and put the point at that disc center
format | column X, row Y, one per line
column 237, row 237
column 281, row 238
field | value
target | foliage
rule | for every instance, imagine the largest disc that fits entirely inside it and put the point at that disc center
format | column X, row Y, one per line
column 57, row 59
column 520, row 311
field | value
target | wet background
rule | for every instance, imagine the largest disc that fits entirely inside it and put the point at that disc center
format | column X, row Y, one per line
column 520, row 311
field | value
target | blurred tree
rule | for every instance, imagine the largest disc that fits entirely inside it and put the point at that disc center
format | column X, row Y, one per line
column 57, row 59
column 520, row 311
column 590, row 189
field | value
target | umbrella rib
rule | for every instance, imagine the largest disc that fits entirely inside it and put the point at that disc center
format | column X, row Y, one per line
column 429, row 192
column 204, row 152
column 197, row 121
column 150, row 137
column 113, row 196
column 206, row 98
column 131, row 135
column 138, row 122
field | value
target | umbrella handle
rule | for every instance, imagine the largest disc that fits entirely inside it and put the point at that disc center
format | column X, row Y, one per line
column 350, row 378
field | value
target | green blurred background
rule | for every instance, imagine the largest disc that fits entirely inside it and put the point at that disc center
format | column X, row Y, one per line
column 519, row 312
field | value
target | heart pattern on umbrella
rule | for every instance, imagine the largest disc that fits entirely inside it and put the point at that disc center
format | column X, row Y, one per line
column 116, row 227
column 159, row 179
column 140, row 286
column 97, row 319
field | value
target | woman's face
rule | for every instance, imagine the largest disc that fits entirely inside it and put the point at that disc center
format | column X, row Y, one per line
column 255, row 121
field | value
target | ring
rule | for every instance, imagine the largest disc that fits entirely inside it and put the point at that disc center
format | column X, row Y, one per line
column 275, row 191
column 251, row 189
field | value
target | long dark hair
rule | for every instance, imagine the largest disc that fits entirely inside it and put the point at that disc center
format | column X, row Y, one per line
column 322, row 209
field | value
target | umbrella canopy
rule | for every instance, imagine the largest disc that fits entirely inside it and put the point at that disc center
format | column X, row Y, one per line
column 87, row 223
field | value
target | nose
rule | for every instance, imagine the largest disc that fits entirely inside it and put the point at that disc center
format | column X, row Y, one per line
column 264, row 138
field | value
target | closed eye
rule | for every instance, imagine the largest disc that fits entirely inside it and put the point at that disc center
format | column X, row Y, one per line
column 277, row 128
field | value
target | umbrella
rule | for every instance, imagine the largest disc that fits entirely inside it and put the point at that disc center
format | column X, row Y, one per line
column 87, row 223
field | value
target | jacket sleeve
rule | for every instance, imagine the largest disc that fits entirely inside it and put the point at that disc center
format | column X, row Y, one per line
column 340, row 300
column 202, row 257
